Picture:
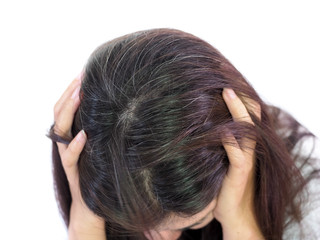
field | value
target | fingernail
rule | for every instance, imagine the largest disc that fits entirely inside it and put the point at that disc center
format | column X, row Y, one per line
column 75, row 93
column 230, row 93
column 81, row 136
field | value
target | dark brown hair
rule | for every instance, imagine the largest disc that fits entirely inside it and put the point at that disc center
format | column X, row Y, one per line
column 152, row 108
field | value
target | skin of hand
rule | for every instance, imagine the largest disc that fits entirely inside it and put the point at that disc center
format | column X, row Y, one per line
column 84, row 224
column 235, row 208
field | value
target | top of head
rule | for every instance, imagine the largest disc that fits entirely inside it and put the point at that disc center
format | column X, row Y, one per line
column 152, row 109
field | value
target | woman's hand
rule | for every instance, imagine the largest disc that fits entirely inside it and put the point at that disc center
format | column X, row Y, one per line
column 84, row 224
column 235, row 204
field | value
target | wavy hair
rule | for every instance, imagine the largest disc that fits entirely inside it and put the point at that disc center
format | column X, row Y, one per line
column 152, row 108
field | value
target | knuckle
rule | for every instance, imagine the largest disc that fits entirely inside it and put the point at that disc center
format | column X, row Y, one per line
column 67, row 163
column 242, row 165
column 68, row 160
column 239, row 166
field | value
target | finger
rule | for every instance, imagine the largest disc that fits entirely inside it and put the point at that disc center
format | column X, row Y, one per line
column 235, row 106
column 66, row 95
column 235, row 183
column 65, row 118
column 239, row 113
column 70, row 158
column 239, row 165
column 253, row 106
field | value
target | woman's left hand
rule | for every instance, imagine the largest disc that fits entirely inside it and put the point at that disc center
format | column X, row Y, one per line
column 235, row 203
column 84, row 224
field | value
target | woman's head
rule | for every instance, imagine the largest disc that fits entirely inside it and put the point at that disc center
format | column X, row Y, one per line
column 152, row 108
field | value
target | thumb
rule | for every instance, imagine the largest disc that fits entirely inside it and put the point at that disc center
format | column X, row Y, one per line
column 70, row 157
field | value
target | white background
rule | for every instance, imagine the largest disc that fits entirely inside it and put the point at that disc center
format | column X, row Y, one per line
column 45, row 44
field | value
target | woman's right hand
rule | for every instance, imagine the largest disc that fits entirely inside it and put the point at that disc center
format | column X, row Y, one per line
column 84, row 224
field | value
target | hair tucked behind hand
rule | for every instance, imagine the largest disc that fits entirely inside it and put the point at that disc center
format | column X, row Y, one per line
column 152, row 109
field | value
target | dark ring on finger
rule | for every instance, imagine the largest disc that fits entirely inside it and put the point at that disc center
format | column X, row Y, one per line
column 57, row 138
